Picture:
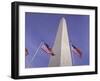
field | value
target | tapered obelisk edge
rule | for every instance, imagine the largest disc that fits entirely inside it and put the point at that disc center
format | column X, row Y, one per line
column 61, row 47
column 66, row 59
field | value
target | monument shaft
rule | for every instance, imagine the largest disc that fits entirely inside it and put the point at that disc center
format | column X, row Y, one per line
column 61, row 47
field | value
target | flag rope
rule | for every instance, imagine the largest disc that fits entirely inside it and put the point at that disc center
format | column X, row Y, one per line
column 35, row 54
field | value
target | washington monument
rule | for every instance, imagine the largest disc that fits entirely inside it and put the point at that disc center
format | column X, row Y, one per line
column 61, row 47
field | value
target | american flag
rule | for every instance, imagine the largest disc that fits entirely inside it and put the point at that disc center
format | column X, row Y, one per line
column 76, row 50
column 45, row 47
column 26, row 52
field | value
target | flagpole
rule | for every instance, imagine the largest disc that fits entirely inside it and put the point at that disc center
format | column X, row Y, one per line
column 35, row 54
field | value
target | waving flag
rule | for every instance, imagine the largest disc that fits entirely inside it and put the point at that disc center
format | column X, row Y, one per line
column 77, row 50
column 45, row 47
column 26, row 52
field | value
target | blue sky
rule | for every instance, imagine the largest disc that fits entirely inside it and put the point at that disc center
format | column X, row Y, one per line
column 43, row 27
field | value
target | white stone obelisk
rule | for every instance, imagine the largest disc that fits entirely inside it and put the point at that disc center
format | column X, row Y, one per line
column 61, row 47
